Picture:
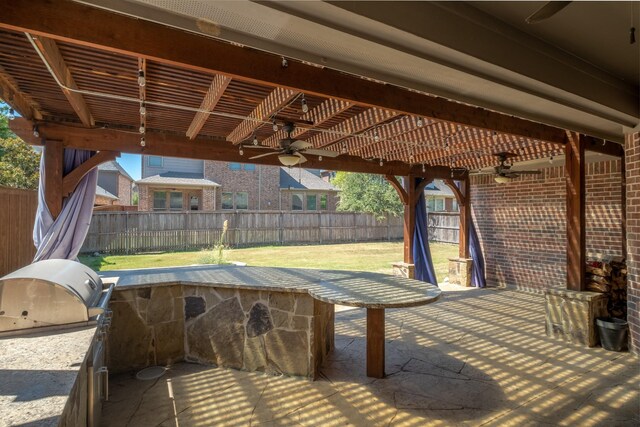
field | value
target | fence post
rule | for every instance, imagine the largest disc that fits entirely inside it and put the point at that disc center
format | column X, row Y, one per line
column 280, row 228
column 320, row 227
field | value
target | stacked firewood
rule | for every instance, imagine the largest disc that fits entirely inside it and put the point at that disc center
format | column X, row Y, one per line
column 609, row 276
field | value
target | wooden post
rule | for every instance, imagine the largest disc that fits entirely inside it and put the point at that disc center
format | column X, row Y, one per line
column 375, row 342
column 576, row 249
column 53, row 174
column 409, row 217
column 465, row 218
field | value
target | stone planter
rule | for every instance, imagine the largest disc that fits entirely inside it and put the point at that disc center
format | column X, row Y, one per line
column 460, row 271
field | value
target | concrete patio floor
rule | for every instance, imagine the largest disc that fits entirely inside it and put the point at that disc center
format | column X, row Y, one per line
column 477, row 357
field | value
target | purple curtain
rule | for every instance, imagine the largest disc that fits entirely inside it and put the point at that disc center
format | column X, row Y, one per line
column 475, row 252
column 62, row 238
column 421, row 254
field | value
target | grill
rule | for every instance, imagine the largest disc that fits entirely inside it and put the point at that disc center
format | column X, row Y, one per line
column 51, row 293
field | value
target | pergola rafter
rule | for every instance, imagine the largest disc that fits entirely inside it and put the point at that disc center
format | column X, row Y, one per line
column 216, row 90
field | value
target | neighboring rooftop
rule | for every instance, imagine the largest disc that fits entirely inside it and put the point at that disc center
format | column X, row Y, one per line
column 302, row 179
column 179, row 179
column 438, row 188
column 104, row 193
column 114, row 166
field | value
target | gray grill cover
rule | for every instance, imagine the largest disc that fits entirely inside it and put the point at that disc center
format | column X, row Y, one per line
column 50, row 292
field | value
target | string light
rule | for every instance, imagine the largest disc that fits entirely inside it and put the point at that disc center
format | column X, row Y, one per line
column 550, row 159
column 241, row 151
column 36, row 133
column 344, row 148
column 381, row 162
column 142, row 142
column 424, row 168
column 285, row 63
column 12, row 114
column 275, row 126
column 420, row 122
column 319, row 158
column 255, row 140
column 305, row 107
column 376, row 137
column 142, row 129
column 143, row 109
column 141, row 79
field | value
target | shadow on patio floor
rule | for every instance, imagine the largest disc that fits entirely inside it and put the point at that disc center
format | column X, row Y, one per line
column 477, row 357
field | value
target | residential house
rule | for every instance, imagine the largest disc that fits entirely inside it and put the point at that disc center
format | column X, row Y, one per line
column 169, row 183
column 115, row 185
column 440, row 197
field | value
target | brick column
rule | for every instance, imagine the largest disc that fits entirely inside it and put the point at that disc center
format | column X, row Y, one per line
column 632, row 161
column 144, row 204
column 208, row 198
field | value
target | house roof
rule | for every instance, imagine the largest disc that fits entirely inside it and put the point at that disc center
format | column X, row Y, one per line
column 438, row 188
column 302, row 179
column 104, row 193
column 179, row 179
column 113, row 166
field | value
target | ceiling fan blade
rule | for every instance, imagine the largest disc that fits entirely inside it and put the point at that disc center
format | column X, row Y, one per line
column 300, row 145
column 302, row 158
column 546, row 11
column 262, row 147
column 475, row 173
column 264, row 155
column 325, row 153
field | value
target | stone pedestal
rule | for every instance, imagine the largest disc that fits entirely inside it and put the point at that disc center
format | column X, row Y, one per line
column 402, row 269
column 570, row 315
column 460, row 271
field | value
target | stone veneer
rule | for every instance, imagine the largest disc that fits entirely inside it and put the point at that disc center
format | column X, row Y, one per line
column 460, row 271
column 273, row 332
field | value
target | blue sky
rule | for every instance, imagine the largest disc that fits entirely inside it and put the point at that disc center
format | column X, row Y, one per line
column 131, row 163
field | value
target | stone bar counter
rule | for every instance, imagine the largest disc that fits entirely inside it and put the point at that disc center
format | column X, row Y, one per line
column 274, row 320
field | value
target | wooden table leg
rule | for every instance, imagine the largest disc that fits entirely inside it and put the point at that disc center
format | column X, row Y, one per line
column 375, row 342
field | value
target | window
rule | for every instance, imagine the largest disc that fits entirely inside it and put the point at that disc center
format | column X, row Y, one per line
column 227, row 200
column 154, row 161
column 311, row 202
column 435, row 204
column 175, row 202
column 296, row 202
column 455, row 205
column 249, row 167
column 439, row 205
column 323, row 202
column 159, row 200
column 235, row 166
column 194, row 203
column 242, row 200
column 242, row 166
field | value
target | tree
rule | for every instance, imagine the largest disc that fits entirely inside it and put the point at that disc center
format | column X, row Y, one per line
column 361, row 192
column 5, row 132
column 19, row 163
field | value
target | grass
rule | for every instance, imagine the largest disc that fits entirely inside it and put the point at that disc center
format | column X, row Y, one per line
column 375, row 257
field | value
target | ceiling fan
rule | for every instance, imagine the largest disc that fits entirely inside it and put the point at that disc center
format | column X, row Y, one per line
column 503, row 173
column 291, row 151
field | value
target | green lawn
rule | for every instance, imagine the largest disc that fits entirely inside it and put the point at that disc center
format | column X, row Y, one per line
column 354, row 256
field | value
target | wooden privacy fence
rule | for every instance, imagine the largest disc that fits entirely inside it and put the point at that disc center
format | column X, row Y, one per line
column 17, row 214
column 131, row 232
column 444, row 227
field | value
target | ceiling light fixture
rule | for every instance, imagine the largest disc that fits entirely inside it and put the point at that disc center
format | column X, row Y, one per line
column 501, row 179
column 141, row 79
column 288, row 159
column 305, row 107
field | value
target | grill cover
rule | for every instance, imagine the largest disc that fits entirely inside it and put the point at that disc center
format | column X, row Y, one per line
column 45, row 293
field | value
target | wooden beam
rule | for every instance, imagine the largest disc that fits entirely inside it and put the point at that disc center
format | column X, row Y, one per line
column 603, row 146
column 399, row 189
column 388, row 133
column 72, row 179
column 209, row 102
column 460, row 198
column 98, row 28
column 269, row 106
column 465, row 218
column 164, row 144
column 420, row 188
column 409, row 218
column 375, row 342
column 10, row 94
column 49, row 50
column 575, row 176
column 53, row 168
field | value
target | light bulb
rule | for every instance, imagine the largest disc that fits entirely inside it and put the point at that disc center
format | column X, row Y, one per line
column 255, row 140
column 275, row 126
column 36, row 133
column 344, row 149
column 143, row 109
column 141, row 79
column 241, row 151
column 376, row 137
column 142, row 129
column 381, row 162
column 12, row 114
column 420, row 122
column 142, row 142
column 424, row 168
column 551, row 160
column 319, row 158
column 305, row 107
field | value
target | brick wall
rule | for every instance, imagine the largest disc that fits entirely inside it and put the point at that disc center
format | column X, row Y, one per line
column 522, row 224
column 632, row 157
column 124, row 191
column 144, row 204
column 246, row 181
column 104, row 201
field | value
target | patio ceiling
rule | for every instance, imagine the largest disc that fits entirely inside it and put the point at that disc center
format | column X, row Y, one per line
column 200, row 105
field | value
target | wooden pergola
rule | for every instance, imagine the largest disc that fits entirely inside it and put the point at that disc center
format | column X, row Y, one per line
column 82, row 77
